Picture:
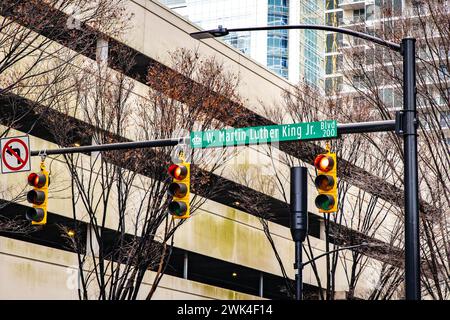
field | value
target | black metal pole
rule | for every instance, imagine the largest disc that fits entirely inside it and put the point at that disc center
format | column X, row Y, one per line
column 407, row 127
column 299, row 220
column 412, row 253
column 299, row 275
column 220, row 32
column 113, row 146
column 342, row 128
column 365, row 127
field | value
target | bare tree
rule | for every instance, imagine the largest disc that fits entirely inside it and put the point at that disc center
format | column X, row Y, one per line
column 39, row 41
column 39, row 44
column 122, row 195
column 376, row 77
column 360, row 217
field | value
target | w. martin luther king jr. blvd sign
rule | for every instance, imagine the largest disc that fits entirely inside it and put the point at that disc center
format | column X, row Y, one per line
column 264, row 134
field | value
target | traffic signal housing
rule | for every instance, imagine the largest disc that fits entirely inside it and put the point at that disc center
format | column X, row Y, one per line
column 179, row 190
column 38, row 196
column 326, row 182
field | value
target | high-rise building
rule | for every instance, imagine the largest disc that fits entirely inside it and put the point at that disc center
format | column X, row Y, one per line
column 296, row 55
column 361, row 15
column 386, row 19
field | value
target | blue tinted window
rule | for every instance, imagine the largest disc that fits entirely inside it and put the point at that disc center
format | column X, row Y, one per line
column 277, row 40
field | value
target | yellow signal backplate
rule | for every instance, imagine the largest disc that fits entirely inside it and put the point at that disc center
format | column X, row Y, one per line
column 186, row 198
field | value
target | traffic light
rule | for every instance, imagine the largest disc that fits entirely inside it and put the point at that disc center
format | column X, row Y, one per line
column 326, row 182
column 179, row 190
column 38, row 196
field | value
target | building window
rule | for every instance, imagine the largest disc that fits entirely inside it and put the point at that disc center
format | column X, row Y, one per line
column 277, row 40
column 333, row 63
column 389, row 8
column 358, row 81
column 419, row 7
column 370, row 11
column 391, row 98
column 387, row 97
column 332, row 4
column 359, row 15
column 426, row 121
column 370, row 56
column 397, row 5
column 334, row 18
column 443, row 72
column 333, row 85
column 240, row 41
column 334, row 42
column 445, row 119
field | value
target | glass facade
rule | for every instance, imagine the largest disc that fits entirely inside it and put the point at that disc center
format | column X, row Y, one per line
column 312, row 13
column 355, row 17
column 389, row 7
column 239, row 40
column 299, row 59
column 332, row 4
column 277, row 40
column 334, row 18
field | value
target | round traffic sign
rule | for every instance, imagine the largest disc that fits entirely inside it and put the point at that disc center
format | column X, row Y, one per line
column 20, row 160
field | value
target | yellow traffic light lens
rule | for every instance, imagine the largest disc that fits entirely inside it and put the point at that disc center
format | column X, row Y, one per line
column 178, row 172
column 177, row 190
column 35, row 214
column 325, row 202
column 36, row 197
column 324, row 182
column 177, row 208
column 324, row 163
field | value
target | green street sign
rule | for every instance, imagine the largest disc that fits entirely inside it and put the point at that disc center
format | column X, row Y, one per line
column 264, row 134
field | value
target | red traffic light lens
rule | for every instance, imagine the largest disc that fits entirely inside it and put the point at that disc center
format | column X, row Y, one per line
column 177, row 208
column 324, row 163
column 35, row 214
column 324, row 182
column 36, row 197
column 177, row 190
column 324, row 202
column 178, row 172
column 36, row 180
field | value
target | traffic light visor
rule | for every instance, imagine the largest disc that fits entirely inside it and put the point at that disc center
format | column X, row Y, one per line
column 324, row 202
column 177, row 190
column 36, row 180
column 35, row 214
column 324, row 163
column 324, row 182
column 178, row 172
column 177, row 208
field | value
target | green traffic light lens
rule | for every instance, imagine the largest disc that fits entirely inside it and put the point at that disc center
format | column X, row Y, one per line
column 177, row 208
column 35, row 214
column 324, row 202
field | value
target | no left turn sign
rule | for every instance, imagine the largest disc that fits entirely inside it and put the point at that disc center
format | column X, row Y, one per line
column 15, row 154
